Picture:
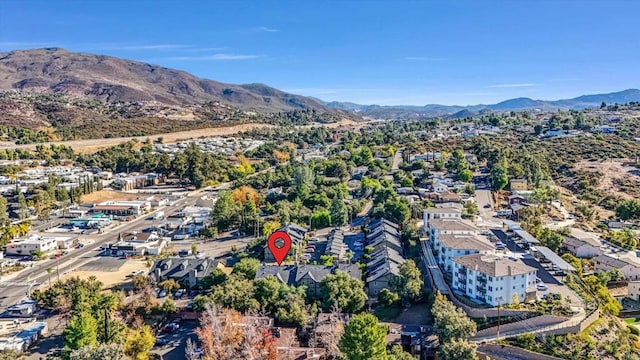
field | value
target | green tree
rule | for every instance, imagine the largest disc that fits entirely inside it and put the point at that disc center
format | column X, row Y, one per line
column 410, row 281
column 450, row 322
column 101, row 352
column 397, row 353
column 397, row 211
column 457, row 349
column 320, row 219
column 247, row 268
column 4, row 215
column 498, row 177
column 364, row 339
column 388, row 297
column 169, row 307
column 466, row 175
column 341, row 289
column 138, row 342
column 82, row 330
column 339, row 212
column 236, row 293
column 225, row 211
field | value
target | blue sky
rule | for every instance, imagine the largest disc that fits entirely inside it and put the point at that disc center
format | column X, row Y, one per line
column 383, row 52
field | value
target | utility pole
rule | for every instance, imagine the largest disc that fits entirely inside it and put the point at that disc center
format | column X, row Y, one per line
column 498, row 333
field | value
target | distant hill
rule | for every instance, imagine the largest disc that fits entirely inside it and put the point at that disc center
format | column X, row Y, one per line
column 518, row 104
column 110, row 79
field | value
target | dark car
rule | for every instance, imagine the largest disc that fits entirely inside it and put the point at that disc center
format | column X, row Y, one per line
column 161, row 341
column 487, row 206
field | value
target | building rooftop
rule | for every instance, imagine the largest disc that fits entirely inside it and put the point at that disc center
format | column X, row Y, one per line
column 452, row 225
column 492, row 265
column 465, row 242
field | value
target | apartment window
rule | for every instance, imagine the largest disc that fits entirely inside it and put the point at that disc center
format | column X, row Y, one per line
column 522, row 286
column 470, row 272
column 514, row 287
column 514, row 278
column 490, row 288
column 523, row 276
column 489, row 298
column 470, row 281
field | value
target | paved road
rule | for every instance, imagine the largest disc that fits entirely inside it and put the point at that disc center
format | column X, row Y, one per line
column 13, row 286
column 397, row 159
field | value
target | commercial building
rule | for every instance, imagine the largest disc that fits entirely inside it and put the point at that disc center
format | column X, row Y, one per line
column 38, row 243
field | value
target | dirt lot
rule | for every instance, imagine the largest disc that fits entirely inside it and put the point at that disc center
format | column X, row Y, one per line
column 614, row 173
column 105, row 195
column 110, row 271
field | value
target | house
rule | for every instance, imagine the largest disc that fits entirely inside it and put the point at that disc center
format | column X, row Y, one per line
column 629, row 264
column 633, row 290
column 518, row 184
column 440, row 188
column 582, row 248
column 451, row 246
column 310, row 276
column 516, row 199
column 604, row 129
column 448, row 196
column 297, row 234
column 441, row 213
column 384, row 263
column 187, row 271
column 430, row 156
column 493, row 280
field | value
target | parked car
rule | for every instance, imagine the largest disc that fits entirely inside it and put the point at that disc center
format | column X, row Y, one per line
column 178, row 294
column 487, row 206
column 555, row 268
column 162, row 293
column 541, row 287
column 161, row 341
column 513, row 258
column 170, row 327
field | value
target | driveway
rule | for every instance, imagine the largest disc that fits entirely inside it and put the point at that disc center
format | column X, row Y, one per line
column 176, row 347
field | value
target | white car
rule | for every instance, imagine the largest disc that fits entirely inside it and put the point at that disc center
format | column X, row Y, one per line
column 541, row 287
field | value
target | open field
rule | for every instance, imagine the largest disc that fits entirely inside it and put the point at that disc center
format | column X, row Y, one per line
column 105, row 195
column 93, row 145
column 108, row 270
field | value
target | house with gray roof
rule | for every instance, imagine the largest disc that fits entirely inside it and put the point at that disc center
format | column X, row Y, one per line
column 297, row 234
column 385, row 259
column 335, row 244
column 306, row 275
column 188, row 271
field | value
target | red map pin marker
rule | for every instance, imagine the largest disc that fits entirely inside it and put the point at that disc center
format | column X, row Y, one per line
column 279, row 244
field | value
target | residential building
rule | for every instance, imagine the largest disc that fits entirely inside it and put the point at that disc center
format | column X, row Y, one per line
column 629, row 264
column 633, row 290
column 297, row 234
column 385, row 259
column 436, row 227
column 188, row 271
column 582, row 248
column 493, row 280
column 311, row 276
column 335, row 244
column 441, row 213
column 452, row 246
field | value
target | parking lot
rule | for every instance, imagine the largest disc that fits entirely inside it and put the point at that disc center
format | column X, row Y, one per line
column 172, row 346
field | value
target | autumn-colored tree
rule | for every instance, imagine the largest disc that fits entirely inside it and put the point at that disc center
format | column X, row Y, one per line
column 244, row 165
column 169, row 285
column 270, row 227
column 227, row 334
column 244, row 193
column 280, row 156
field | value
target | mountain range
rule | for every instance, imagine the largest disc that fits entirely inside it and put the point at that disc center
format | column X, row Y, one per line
column 455, row 111
column 112, row 80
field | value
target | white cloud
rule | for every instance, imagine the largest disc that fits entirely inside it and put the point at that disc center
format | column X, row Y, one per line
column 422, row 58
column 214, row 57
column 268, row 29
column 144, row 47
column 513, row 85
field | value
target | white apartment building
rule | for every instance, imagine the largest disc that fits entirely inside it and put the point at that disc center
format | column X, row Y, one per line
column 451, row 246
column 452, row 226
column 628, row 263
column 441, row 213
column 493, row 280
